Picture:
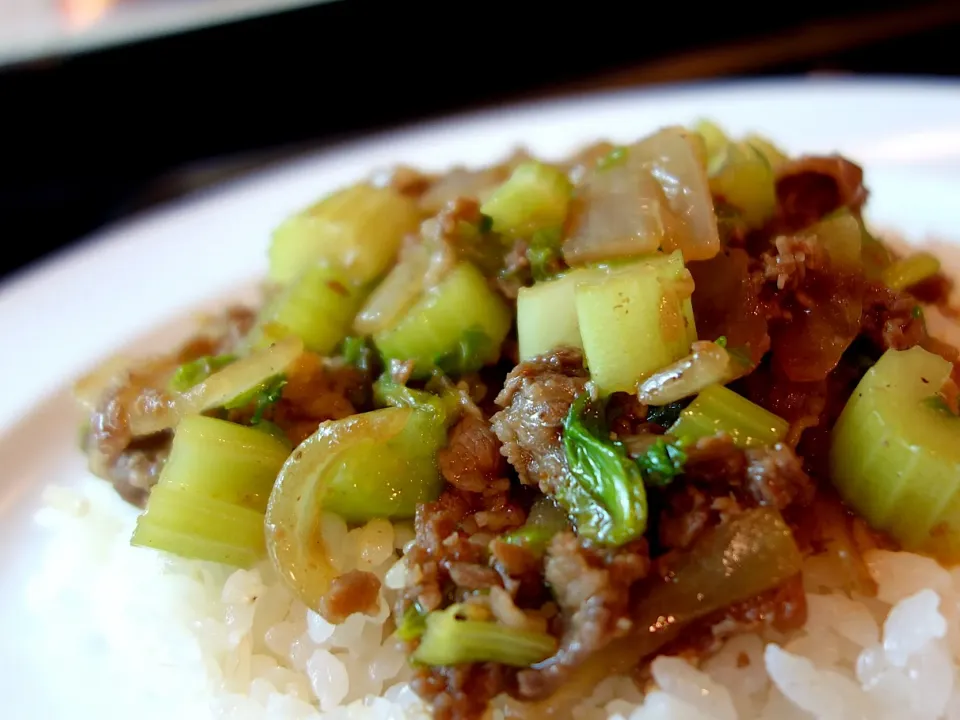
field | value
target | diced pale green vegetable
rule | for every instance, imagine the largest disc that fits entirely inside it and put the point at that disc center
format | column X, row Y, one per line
column 895, row 455
column 632, row 323
column 718, row 409
column 547, row 314
column 774, row 155
column 606, row 500
column 358, row 229
column 908, row 271
column 224, row 461
column 452, row 638
column 373, row 464
column 191, row 524
column 544, row 521
column 841, row 236
column 743, row 177
column 459, row 323
column 195, row 371
column 534, row 197
column 318, row 306
column 874, row 254
column 413, row 623
column 714, row 138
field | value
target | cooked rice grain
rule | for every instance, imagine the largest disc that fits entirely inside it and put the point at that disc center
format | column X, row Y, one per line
column 181, row 639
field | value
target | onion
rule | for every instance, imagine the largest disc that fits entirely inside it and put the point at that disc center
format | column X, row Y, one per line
column 294, row 515
column 421, row 266
column 157, row 410
column 707, row 364
column 751, row 553
column 658, row 197
column 88, row 390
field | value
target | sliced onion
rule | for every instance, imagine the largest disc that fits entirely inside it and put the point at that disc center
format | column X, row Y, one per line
column 421, row 266
column 658, row 197
column 292, row 524
column 748, row 555
column 707, row 364
column 88, row 389
column 158, row 410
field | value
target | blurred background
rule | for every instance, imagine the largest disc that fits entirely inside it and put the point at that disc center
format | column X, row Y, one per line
column 108, row 107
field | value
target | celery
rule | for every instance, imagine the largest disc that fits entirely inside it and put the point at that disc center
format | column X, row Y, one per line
column 545, row 520
column 908, row 271
column 451, row 638
column 714, row 138
column 318, row 307
column 374, row 464
column 224, row 461
column 841, row 236
column 743, row 177
column 387, row 393
column 632, row 322
column 195, row 371
column 191, row 524
column 358, row 228
column 547, row 311
column 894, row 454
column 535, row 196
column 718, row 409
column 460, row 323
column 774, row 155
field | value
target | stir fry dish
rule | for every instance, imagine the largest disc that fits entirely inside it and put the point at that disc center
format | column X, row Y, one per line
column 621, row 398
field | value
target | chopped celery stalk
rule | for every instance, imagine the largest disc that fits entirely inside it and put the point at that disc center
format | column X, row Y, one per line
column 547, row 311
column 224, row 461
column 460, row 323
column 189, row 523
column 358, row 228
column 894, row 454
column 535, row 196
column 841, row 236
column 632, row 323
column 451, row 638
column 387, row 393
column 413, row 623
column 742, row 176
column 318, row 307
column 718, row 409
column 547, row 315
column 195, row 371
column 714, row 138
column 913, row 269
column 774, row 155
column 373, row 464
column 545, row 520
column 874, row 254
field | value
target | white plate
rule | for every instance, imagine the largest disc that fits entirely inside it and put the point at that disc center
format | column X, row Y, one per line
column 60, row 318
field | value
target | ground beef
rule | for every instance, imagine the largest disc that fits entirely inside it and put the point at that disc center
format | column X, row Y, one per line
column 795, row 255
column 471, row 460
column 536, row 397
column 353, row 592
column 811, row 187
column 592, row 588
column 462, row 691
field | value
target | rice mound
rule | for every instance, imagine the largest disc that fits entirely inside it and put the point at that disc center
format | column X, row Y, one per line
column 185, row 639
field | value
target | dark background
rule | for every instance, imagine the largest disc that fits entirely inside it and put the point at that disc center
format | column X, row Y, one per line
column 89, row 138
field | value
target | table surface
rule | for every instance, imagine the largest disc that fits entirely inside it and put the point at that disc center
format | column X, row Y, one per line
column 167, row 117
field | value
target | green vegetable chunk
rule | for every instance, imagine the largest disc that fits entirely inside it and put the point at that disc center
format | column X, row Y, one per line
column 718, row 409
column 607, row 500
column 535, row 196
column 195, row 371
column 452, row 638
column 193, row 525
column 632, row 322
column 662, row 462
column 459, row 324
column 318, row 306
column 744, row 178
column 374, row 464
column 224, row 461
column 358, row 228
column 413, row 623
column 261, row 397
column 895, row 455
column 913, row 269
column 545, row 520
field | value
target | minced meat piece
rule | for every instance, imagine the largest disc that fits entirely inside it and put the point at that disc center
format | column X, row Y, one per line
column 353, row 592
column 472, row 461
column 536, row 397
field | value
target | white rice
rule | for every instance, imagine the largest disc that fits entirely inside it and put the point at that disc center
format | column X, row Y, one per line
column 186, row 640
